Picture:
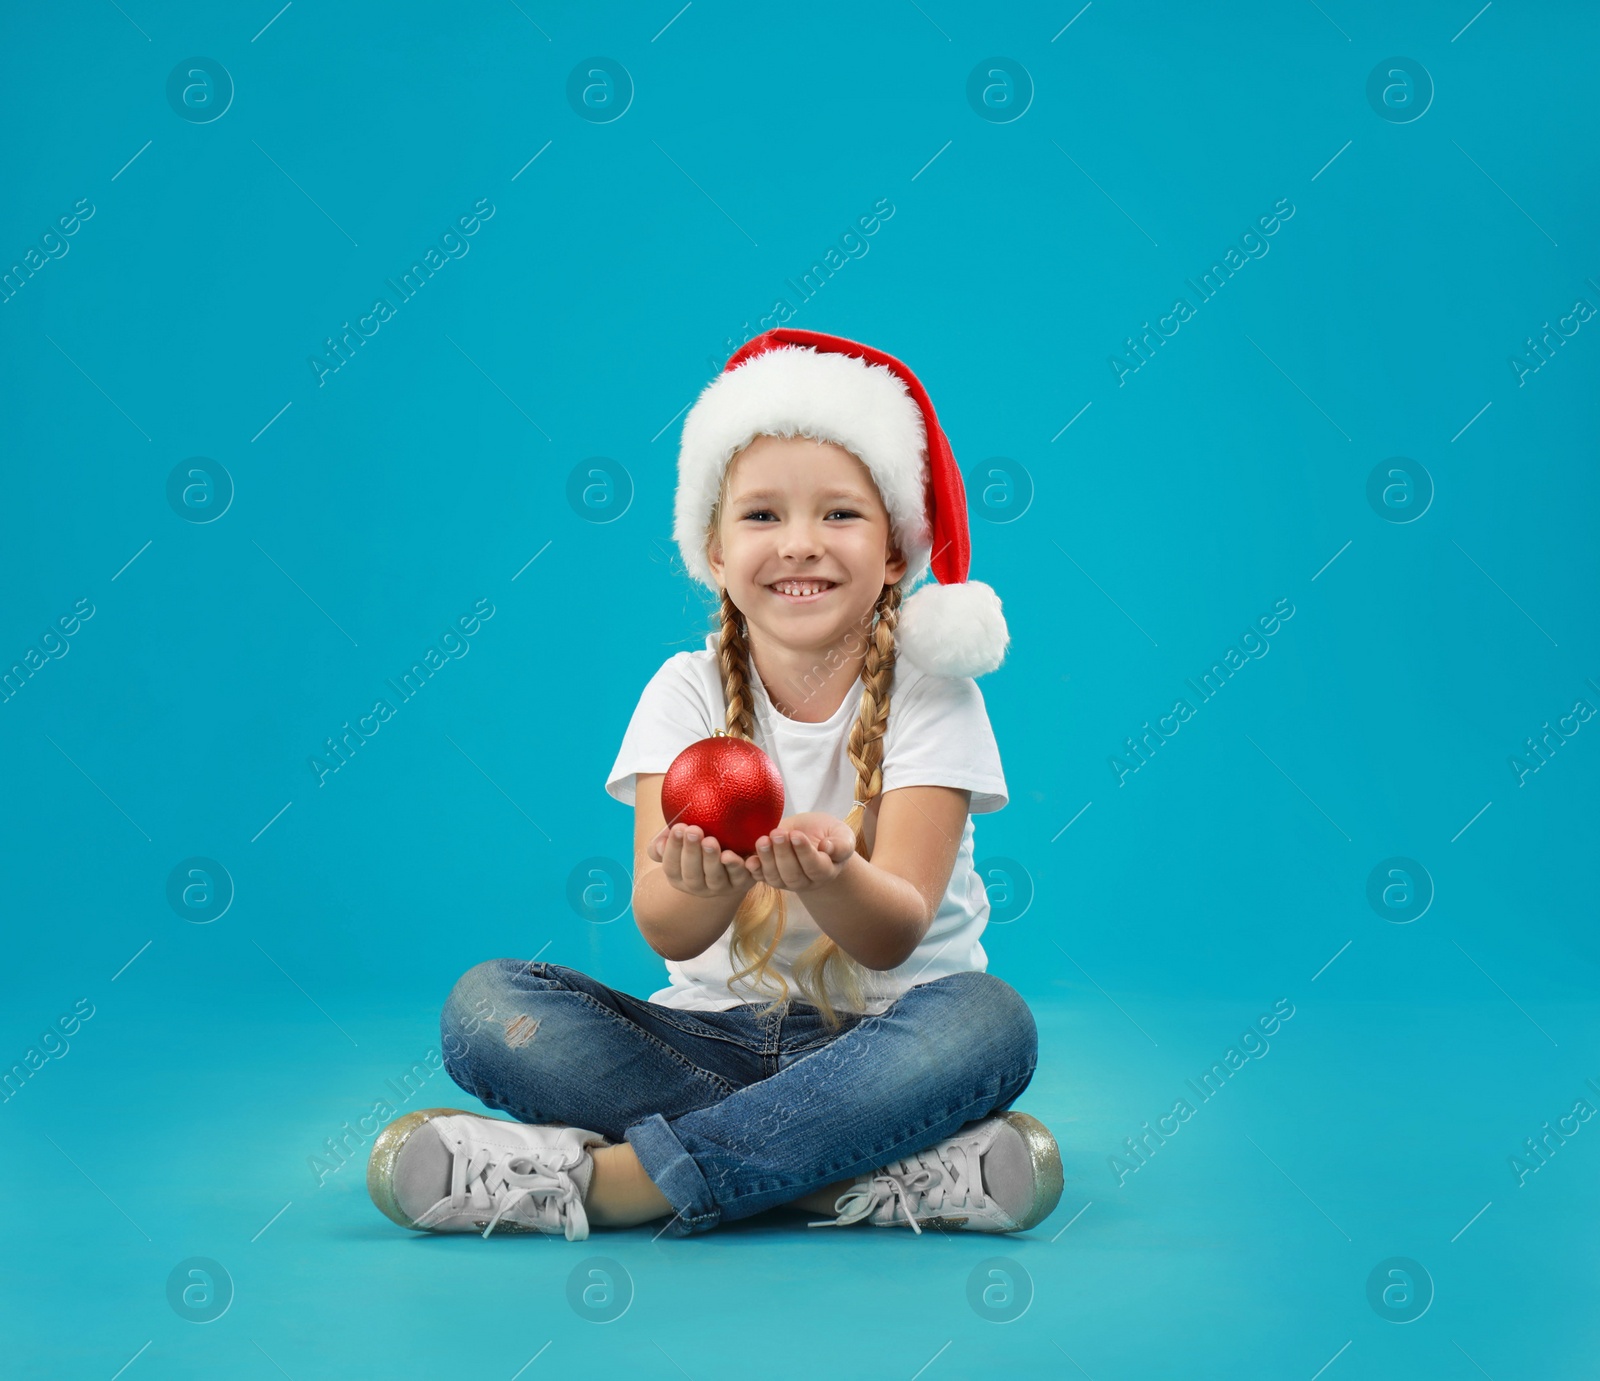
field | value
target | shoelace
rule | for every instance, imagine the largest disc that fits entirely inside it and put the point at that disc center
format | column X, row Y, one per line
column 478, row 1175
column 940, row 1182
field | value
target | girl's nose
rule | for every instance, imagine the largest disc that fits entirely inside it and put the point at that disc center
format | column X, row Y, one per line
column 800, row 541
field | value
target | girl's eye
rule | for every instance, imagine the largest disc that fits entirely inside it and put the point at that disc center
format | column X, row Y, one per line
column 844, row 513
column 759, row 513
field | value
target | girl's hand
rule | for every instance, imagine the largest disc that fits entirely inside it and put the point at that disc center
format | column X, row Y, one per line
column 695, row 864
column 805, row 852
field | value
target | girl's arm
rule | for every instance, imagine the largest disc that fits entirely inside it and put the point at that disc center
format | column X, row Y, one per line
column 878, row 911
column 685, row 889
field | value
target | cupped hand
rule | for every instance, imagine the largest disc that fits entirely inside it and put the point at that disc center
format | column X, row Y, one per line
column 695, row 863
column 805, row 852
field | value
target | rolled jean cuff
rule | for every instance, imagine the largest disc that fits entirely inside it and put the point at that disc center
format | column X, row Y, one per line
column 675, row 1174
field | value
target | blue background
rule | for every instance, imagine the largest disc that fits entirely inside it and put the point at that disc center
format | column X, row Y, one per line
column 1171, row 906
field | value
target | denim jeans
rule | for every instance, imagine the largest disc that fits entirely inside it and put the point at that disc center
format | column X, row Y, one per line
column 731, row 1113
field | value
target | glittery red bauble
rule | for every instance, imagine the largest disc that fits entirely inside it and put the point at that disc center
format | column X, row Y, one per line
column 728, row 787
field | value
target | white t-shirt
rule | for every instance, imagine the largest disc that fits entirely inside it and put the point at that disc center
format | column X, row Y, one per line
column 938, row 735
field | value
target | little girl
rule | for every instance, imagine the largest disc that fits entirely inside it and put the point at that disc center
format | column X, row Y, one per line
column 829, row 1037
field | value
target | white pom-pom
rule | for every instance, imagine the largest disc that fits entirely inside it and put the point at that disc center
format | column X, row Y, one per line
column 953, row 630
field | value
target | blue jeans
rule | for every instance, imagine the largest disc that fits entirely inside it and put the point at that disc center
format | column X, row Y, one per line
column 731, row 1113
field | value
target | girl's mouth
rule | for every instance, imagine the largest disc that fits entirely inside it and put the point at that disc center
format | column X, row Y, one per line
column 801, row 591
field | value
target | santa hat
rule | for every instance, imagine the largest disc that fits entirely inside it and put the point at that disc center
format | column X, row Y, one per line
column 804, row 383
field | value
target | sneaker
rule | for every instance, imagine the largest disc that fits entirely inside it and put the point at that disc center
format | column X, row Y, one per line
column 1000, row 1174
column 444, row 1170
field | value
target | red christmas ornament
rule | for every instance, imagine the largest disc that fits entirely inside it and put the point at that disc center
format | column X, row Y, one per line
column 728, row 787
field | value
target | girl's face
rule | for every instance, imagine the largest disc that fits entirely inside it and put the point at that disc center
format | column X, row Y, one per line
column 802, row 543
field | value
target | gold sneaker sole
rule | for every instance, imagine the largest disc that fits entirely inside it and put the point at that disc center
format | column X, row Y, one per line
column 386, row 1153
column 1047, row 1177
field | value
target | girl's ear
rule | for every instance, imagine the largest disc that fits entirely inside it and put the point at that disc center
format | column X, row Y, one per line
column 894, row 567
column 714, row 554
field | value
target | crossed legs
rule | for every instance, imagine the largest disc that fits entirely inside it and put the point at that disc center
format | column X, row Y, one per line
column 704, row 1130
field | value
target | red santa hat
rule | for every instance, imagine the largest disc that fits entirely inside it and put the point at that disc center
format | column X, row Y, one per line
column 804, row 383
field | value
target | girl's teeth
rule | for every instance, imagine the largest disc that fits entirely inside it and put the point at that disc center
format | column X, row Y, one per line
column 795, row 587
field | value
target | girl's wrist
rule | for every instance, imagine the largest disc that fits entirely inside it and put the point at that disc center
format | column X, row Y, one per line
column 847, row 875
column 666, row 903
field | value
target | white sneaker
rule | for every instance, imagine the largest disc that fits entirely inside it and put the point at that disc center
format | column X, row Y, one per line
column 444, row 1170
column 999, row 1174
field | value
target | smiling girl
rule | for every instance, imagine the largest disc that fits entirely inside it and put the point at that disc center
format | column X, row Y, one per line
column 829, row 1037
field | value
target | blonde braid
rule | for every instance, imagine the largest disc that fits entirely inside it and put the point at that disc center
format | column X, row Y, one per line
column 734, row 656
column 877, row 678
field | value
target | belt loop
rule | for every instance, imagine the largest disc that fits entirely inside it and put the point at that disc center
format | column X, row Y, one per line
column 775, row 1037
